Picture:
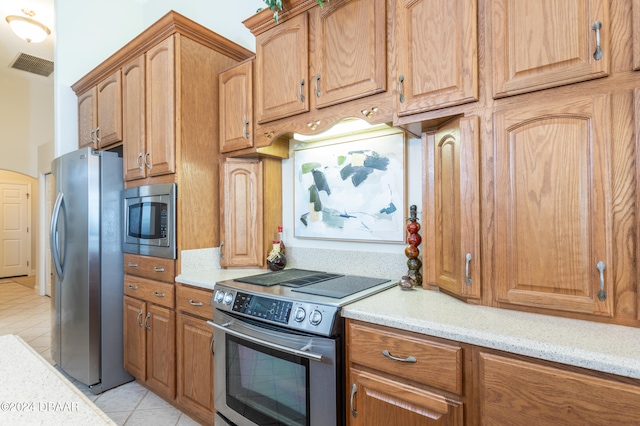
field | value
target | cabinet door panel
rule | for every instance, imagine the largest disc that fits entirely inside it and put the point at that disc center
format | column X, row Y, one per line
column 381, row 402
column 350, row 56
column 195, row 365
column 133, row 110
column 87, row 118
column 553, row 205
column 110, row 110
column 437, row 54
column 135, row 351
column 161, row 357
column 282, row 62
column 540, row 45
column 161, row 108
column 518, row 392
column 452, row 208
column 236, row 108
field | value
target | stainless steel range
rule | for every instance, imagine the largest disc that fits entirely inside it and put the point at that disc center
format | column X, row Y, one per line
column 278, row 346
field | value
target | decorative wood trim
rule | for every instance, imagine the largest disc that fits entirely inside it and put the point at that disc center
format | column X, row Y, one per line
column 263, row 20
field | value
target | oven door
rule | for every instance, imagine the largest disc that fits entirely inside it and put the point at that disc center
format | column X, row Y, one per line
column 265, row 375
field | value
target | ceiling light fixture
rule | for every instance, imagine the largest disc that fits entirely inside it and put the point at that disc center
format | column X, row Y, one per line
column 28, row 28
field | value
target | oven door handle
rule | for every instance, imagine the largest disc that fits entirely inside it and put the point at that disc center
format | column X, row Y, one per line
column 309, row 355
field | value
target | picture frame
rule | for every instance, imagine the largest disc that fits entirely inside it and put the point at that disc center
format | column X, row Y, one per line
column 352, row 188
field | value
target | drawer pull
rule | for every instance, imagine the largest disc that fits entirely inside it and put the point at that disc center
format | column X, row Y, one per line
column 132, row 265
column 155, row 293
column 354, row 389
column 407, row 359
column 192, row 303
column 155, row 268
column 139, row 319
column 132, row 287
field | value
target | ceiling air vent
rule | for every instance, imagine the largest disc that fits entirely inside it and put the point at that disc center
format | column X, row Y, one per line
column 33, row 64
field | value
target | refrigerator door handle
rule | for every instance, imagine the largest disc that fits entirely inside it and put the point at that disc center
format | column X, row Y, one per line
column 53, row 235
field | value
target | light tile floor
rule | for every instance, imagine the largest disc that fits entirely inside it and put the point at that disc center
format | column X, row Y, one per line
column 25, row 314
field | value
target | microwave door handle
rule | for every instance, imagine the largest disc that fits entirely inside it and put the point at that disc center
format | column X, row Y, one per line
column 53, row 235
column 308, row 355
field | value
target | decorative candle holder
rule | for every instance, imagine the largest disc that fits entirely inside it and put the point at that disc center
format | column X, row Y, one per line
column 412, row 251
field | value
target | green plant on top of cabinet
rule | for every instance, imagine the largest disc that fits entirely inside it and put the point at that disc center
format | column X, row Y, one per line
column 100, row 114
column 452, row 208
column 437, row 49
column 537, row 46
column 553, row 206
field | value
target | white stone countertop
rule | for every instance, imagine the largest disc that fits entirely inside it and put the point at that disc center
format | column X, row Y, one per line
column 602, row 347
column 207, row 278
column 33, row 392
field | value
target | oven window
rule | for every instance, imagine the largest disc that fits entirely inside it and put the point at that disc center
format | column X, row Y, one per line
column 148, row 220
column 266, row 386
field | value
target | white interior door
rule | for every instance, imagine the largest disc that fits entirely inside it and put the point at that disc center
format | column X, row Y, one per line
column 14, row 229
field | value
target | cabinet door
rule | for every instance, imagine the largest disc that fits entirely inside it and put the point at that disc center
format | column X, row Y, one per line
column 242, row 213
column 437, row 44
column 135, row 337
column 195, row 365
column 452, row 208
column 109, row 130
column 282, row 63
column 161, row 108
column 378, row 401
column 515, row 392
column 350, row 51
column 553, row 206
column 636, row 35
column 87, row 118
column 161, row 347
column 236, row 107
column 133, row 98
column 537, row 45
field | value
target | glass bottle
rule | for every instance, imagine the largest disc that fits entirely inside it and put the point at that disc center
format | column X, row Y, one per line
column 283, row 249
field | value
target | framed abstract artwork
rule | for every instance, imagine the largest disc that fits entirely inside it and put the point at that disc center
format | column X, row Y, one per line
column 352, row 190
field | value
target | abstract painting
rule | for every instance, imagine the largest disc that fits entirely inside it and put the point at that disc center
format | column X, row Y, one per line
column 353, row 190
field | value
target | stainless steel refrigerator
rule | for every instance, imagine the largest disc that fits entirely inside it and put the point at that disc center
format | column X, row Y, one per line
column 86, row 247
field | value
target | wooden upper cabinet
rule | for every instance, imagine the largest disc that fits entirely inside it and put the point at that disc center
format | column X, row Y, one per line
column 242, row 213
column 133, row 108
column 437, row 49
column 236, row 107
column 161, row 107
column 537, row 45
column 553, row 206
column 282, row 68
column 452, row 208
column 350, row 59
column 636, row 34
column 100, row 113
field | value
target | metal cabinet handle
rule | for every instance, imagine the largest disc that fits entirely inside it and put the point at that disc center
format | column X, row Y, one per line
column 467, row 278
column 597, row 55
column 132, row 287
column 301, row 87
column 91, row 140
column 155, row 293
column 601, row 266
column 146, row 159
column 220, row 248
column 139, row 319
column 138, row 161
column 97, row 137
column 400, row 88
column 132, row 265
column 192, row 303
column 244, row 129
column 317, row 85
column 354, row 389
column 146, row 321
column 157, row 269
column 211, row 346
column 407, row 359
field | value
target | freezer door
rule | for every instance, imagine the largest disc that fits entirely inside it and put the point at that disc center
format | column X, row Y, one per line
column 76, row 238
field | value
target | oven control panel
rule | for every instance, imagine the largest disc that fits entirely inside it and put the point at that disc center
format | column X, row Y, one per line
column 297, row 315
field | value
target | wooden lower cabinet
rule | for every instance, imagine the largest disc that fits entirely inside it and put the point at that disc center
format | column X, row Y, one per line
column 515, row 391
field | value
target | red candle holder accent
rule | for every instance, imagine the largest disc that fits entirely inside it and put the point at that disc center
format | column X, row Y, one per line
column 412, row 251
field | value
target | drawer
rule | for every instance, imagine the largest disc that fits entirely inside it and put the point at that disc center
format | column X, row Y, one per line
column 436, row 364
column 156, row 292
column 194, row 301
column 154, row 268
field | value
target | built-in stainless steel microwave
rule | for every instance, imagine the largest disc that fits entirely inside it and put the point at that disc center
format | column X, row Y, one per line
column 150, row 220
